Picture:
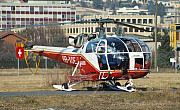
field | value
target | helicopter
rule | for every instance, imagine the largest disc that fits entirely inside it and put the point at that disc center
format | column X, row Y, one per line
column 100, row 57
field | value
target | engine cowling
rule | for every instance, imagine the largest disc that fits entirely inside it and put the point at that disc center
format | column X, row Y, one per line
column 76, row 40
column 73, row 40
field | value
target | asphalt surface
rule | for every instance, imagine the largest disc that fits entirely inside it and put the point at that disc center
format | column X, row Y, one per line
column 41, row 93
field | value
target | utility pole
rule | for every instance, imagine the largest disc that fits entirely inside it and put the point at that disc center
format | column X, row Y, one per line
column 155, row 64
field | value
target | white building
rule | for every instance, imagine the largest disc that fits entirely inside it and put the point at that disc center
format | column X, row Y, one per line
column 89, row 28
column 131, row 11
column 23, row 14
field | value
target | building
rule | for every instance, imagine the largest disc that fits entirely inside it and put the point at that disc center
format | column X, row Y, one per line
column 82, row 11
column 131, row 11
column 10, row 38
column 92, row 28
column 33, row 13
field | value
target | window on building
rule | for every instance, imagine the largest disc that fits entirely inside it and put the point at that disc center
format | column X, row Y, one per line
column 140, row 21
column 31, row 23
column 150, row 21
column 54, row 16
column 72, row 16
column 128, row 20
column 22, row 22
column 142, row 30
column 108, row 29
column 125, row 29
column 97, row 29
column 41, row 9
column 27, row 22
column 13, row 22
column 68, row 16
column 73, row 30
column 147, row 28
column 133, row 20
column 31, row 8
column 117, row 19
column 89, row 29
column 144, row 21
column 92, row 29
column 13, row 8
column 85, row 30
column 122, row 20
column 76, row 30
column 8, row 22
column 70, row 30
column 130, row 29
column 3, row 16
column 136, row 30
column 63, row 16
column 8, row 15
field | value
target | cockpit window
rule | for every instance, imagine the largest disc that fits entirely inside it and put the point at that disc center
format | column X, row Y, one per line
column 144, row 46
column 115, row 45
column 101, row 47
column 132, row 45
column 135, row 45
column 129, row 45
column 91, row 47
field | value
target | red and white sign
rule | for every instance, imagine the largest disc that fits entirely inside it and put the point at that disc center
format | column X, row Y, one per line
column 20, row 52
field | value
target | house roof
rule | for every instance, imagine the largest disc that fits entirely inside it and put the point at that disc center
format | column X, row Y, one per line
column 4, row 34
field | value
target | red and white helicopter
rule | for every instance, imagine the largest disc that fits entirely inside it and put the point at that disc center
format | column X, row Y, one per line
column 101, row 58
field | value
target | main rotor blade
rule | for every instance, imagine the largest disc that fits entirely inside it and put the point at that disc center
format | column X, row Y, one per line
column 127, row 25
column 61, row 23
column 132, row 25
column 154, row 27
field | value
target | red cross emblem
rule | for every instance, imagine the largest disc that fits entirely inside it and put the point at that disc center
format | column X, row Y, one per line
column 20, row 52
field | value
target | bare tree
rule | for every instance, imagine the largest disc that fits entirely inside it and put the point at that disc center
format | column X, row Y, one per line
column 3, row 1
column 46, row 35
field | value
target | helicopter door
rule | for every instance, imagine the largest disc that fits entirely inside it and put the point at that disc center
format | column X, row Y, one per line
column 102, row 56
column 136, row 62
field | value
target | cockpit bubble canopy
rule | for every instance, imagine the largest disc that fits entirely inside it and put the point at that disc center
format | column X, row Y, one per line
column 116, row 44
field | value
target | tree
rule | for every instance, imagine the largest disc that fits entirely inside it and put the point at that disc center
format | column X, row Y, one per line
column 3, row 1
column 114, row 9
column 164, row 51
column 45, row 35
column 98, row 4
column 152, row 9
column 83, row 4
column 134, row 3
column 118, row 30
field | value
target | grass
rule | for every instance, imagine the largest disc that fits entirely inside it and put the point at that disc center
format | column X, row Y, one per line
column 28, row 82
column 137, row 100
column 165, row 99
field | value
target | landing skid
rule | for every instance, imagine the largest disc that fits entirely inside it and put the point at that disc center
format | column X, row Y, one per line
column 102, row 86
column 128, row 87
column 66, row 87
column 113, row 86
column 60, row 87
column 123, row 88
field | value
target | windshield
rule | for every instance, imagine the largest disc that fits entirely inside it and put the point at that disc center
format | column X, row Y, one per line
column 115, row 45
column 113, row 53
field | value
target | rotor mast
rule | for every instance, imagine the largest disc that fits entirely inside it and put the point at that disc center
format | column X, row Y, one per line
column 102, row 34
